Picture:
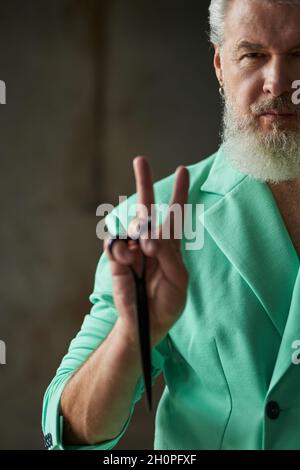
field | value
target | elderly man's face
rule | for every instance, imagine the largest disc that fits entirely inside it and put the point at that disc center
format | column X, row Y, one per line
column 258, row 63
column 261, row 56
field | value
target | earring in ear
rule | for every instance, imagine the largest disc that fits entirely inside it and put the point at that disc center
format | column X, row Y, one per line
column 221, row 91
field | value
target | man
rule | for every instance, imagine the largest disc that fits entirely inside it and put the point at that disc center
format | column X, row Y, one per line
column 224, row 319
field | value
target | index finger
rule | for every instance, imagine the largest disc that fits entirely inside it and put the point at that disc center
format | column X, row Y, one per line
column 144, row 186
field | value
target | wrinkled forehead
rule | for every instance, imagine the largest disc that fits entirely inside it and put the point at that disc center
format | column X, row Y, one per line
column 272, row 24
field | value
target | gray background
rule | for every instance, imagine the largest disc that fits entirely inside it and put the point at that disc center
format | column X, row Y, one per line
column 90, row 85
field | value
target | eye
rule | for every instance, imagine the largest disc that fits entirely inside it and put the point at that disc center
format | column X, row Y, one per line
column 296, row 54
column 253, row 55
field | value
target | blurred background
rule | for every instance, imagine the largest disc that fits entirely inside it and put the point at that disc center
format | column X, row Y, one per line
column 90, row 84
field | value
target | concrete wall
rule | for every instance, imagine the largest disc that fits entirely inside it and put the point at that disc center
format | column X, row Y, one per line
column 89, row 86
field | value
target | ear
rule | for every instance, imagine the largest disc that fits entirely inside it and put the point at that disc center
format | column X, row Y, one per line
column 218, row 64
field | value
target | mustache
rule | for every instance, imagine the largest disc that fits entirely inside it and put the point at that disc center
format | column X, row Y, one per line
column 281, row 104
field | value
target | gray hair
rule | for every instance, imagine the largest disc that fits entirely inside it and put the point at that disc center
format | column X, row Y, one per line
column 217, row 13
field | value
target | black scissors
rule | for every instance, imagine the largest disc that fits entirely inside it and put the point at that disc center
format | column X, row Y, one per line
column 142, row 317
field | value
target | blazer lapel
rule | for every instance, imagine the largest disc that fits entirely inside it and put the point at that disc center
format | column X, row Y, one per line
column 291, row 334
column 247, row 226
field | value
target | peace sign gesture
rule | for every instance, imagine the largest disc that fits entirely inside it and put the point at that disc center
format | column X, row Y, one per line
column 165, row 273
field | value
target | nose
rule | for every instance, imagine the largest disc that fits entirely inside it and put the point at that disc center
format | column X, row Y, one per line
column 277, row 78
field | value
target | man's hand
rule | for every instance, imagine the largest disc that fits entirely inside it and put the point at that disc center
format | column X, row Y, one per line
column 166, row 275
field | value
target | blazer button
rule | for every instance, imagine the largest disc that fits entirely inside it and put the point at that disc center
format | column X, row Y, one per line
column 273, row 410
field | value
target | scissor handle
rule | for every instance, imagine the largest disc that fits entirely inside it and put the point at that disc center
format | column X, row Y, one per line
column 144, row 333
column 143, row 320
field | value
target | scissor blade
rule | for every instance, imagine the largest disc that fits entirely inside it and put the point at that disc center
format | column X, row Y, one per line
column 144, row 336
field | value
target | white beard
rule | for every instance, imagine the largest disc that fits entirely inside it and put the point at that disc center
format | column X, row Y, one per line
column 272, row 156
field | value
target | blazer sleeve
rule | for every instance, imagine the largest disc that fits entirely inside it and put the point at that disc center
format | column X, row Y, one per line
column 95, row 327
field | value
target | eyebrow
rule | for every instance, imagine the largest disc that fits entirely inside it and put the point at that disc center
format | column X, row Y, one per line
column 255, row 46
column 248, row 45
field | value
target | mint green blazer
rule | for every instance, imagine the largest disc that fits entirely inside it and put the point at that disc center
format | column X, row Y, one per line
column 227, row 362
